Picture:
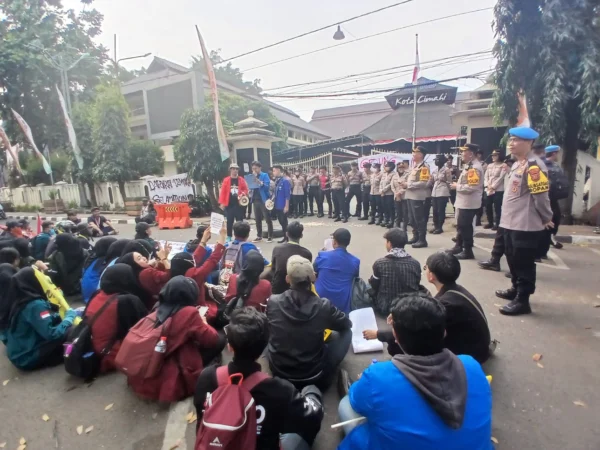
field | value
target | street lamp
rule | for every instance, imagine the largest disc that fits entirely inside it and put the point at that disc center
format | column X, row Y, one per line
column 339, row 34
column 117, row 61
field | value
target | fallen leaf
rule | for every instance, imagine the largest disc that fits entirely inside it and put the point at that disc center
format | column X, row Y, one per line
column 175, row 445
column 107, row 407
column 579, row 403
column 21, row 447
column 2, row 444
column 155, row 415
column 191, row 417
column 23, row 441
column 89, row 429
column 5, row 382
column 80, row 429
column 537, row 357
column 45, row 418
column 588, row 328
column 494, row 440
column 540, row 365
column 497, row 305
column 596, row 305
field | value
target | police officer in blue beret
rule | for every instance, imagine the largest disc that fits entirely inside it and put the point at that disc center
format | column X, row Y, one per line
column 526, row 214
column 559, row 189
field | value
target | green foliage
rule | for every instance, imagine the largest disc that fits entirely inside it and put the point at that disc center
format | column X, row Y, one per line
column 34, row 170
column 144, row 158
column 82, row 117
column 73, row 205
column 227, row 73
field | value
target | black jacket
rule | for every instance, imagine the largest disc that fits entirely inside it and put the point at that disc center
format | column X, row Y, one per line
column 281, row 254
column 286, row 410
column 297, row 321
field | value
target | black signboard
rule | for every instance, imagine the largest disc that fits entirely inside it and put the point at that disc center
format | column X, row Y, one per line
column 402, row 98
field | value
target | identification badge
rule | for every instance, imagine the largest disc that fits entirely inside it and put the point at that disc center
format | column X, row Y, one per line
column 424, row 174
column 537, row 181
column 472, row 177
column 515, row 185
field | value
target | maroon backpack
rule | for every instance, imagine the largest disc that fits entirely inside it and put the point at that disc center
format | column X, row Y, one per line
column 229, row 420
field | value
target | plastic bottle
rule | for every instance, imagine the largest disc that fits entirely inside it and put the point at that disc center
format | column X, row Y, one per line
column 156, row 360
column 374, row 361
column 161, row 346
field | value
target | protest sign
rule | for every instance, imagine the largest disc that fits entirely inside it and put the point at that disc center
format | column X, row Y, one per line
column 383, row 158
column 176, row 247
column 172, row 189
column 216, row 222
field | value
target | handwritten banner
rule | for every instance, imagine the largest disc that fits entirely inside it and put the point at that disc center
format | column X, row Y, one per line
column 172, row 189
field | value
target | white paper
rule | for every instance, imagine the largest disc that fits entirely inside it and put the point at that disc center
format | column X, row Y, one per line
column 216, row 222
column 364, row 319
column 176, row 247
column 246, row 168
column 328, row 244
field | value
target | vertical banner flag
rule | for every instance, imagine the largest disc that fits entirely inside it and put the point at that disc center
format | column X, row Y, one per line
column 523, row 117
column 70, row 130
column 29, row 136
column 10, row 150
column 417, row 68
column 221, row 137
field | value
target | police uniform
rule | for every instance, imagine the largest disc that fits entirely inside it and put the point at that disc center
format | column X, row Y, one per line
column 387, row 196
column 312, row 179
column 400, row 204
column 469, row 192
column 355, row 180
column 495, row 174
column 416, row 194
column 526, row 210
column 440, row 193
column 338, row 186
column 375, row 197
column 366, row 191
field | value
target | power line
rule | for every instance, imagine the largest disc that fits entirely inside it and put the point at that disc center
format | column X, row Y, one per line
column 366, row 37
column 317, row 30
column 464, row 55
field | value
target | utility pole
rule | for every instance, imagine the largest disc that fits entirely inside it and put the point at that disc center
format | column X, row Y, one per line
column 116, row 61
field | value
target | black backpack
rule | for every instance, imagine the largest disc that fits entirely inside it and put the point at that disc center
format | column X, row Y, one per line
column 559, row 184
column 79, row 357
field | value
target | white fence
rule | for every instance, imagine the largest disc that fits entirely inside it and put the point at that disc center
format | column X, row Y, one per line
column 318, row 161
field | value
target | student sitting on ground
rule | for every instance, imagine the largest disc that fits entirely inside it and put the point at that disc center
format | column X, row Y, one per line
column 101, row 226
column 394, row 274
column 124, row 311
column 143, row 231
column 41, row 241
column 336, row 271
column 286, row 412
column 35, row 335
column 297, row 321
column 10, row 255
column 140, row 264
column 246, row 288
column 6, row 273
column 83, row 234
column 66, row 264
column 235, row 252
column 467, row 331
column 93, row 267
column 193, row 244
column 191, row 344
column 425, row 399
column 281, row 254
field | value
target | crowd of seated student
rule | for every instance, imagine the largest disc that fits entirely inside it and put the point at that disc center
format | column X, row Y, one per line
column 94, row 266
column 246, row 288
column 66, row 264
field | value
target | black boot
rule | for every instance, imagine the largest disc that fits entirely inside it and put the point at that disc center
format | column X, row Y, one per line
column 508, row 294
column 384, row 224
column 363, row 218
column 487, row 226
column 414, row 239
column 455, row 250
column 421, row 243
column 517, row 307
column 490, row 264
column 311, row 214
column 437, row 231
column 467, row 253
column 344, row 220
column 508, row 275
column 390, row 226
column 337, row 219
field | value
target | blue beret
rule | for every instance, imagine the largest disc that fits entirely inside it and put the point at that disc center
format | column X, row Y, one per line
column 524, row 133
column 552, row 148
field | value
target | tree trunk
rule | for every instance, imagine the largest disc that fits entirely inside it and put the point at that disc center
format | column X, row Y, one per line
column 122, row 191
column 91, row 187
column 569, row 162
column 210, row 191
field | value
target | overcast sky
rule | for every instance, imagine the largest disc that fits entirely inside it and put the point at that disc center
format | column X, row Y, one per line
column 166, row 29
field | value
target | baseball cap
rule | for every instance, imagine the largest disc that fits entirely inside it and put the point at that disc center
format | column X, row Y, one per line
column 300, row 269
column 234, row 166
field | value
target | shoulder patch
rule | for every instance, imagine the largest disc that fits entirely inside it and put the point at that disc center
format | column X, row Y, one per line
column 537, row 181
column 424, row 174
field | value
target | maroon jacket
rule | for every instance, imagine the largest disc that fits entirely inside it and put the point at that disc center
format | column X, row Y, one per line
column 258, row 297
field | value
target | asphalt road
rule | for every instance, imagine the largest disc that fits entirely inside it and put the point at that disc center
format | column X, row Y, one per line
column 553, row 404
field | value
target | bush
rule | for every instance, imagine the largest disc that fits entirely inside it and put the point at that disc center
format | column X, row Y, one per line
column 72, row 205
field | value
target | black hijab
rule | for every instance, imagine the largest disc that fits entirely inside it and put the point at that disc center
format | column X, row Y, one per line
column 99, row 252
column 24, row 288
column 249, row 276
column 141, row 246
column 129, row 260
column 177, row 293
column 73, row 254
column 116, row 249
column 181, row 263
column 6, row 273
column 119, row 279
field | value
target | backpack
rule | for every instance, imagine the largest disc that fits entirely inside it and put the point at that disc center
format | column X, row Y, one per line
column 559, row 183
column 231, row 263
column 79, row 357
column 137, row 356
column 229, row 421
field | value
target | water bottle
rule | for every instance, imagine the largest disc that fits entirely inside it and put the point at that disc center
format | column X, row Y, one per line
column 156, row 360
column 374, row 361
column 161, row 346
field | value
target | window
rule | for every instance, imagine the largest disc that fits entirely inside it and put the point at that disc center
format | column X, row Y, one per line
column 110, row 195
column 146, row 191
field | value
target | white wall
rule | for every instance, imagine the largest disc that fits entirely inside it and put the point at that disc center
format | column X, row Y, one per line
column 585, row 161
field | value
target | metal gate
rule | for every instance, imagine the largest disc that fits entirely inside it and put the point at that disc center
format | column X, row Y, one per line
column 318, row 161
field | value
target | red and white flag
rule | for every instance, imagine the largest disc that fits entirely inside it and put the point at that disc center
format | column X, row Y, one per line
column 417, row 68
column 11, row 151
column 29, row 135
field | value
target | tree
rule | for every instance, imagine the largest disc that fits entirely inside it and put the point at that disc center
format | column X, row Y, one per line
column 144, row 158
column 227, row 72
column 33, row 32
column 551, row 51
column 83, row 123
column 197, row 149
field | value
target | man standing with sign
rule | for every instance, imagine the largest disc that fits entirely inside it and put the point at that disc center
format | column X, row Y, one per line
column 526, row 213
column 469, row 192
column 233, row 198
column 416, row 193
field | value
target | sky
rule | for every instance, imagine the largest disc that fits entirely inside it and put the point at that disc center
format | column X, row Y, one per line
column 166, row 29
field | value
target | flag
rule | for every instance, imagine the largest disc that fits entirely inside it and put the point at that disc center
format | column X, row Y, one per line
column 10, row 150
column 70, row 130
column 221, row 137
column 417, row 68
column 29, row 136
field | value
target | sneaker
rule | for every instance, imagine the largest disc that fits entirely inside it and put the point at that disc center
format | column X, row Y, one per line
column 269, row 240
column 258, row 239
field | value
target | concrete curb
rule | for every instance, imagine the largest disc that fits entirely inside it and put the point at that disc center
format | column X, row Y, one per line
column 565, row 239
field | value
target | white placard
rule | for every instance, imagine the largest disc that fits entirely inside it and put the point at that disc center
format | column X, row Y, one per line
column 176, row 247
column 216, row 222
column 328, row 244
column 173, row 189
column 364, row 319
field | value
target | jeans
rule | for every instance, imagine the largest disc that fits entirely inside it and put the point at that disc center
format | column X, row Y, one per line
column 325, row 195
column 283, row 220
column 493, row 206
column 346, row 412
column 260, row 211
column 233, row 214
column 313, row 194
column 339, row 203
column 464, row 227
column 439, row 212
column 389, row 210
column 354, row 191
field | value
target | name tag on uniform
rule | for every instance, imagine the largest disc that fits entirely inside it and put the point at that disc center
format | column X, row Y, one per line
column 537, row 181
column 424, row 174
column 472, row 177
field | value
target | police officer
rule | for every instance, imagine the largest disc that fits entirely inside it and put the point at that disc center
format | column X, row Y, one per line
column 387, row 195
column 526, row 214
column 366, row 191
column 400, row 177
column 416, row 193
column 355, row 180
column 375, row 196
column 338, row 186
column 469, row 191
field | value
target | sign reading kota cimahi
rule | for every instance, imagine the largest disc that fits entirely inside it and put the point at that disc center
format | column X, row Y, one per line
column 406, row 96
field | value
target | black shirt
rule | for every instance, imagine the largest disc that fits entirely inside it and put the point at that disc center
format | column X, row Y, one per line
column 281, row 254
column 233, row 192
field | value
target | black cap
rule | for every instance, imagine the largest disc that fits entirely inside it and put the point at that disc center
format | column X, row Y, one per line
column 390, row 164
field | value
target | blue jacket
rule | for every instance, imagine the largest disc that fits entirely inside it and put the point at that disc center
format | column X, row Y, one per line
column 398, row 417
column 264, row 189
column 336, row 270
column 283, row 191
column 90, row 281
column 40, row 242
column 31, row 330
